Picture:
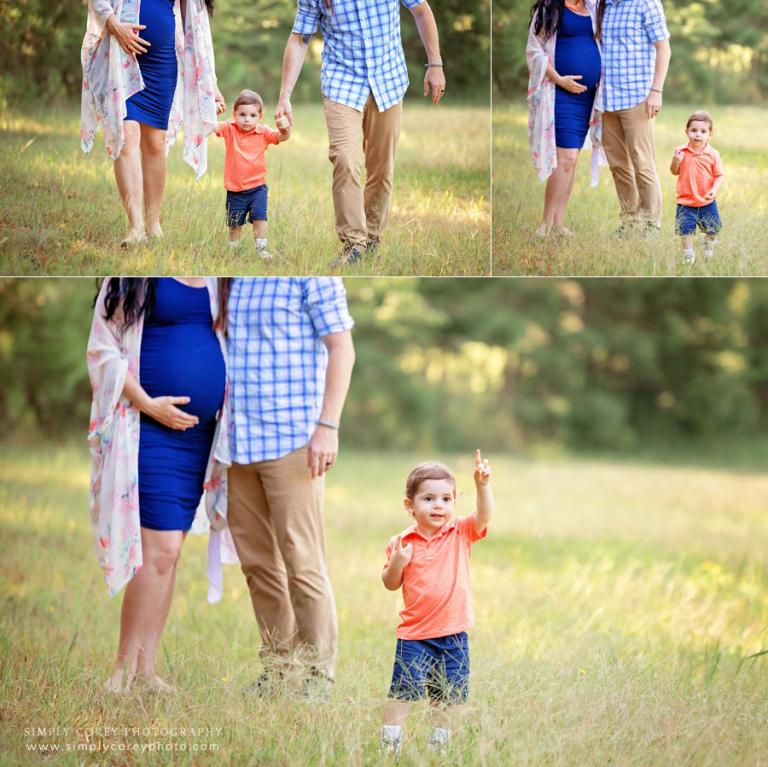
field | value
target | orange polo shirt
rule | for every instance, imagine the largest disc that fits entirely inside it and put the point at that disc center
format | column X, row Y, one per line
column 436, row 580
column 698, row 171
column 245, row 165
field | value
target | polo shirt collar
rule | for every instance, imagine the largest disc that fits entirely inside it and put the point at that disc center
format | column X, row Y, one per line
column 258, row 129
column 413, row 531
column 707, row 149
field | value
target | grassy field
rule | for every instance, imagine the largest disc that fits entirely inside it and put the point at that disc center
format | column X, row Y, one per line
column 60, row 213
column 593, row 214
column 621, row 619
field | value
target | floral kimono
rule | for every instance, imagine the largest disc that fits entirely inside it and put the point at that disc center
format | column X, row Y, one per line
column 111, row 76
column 541, row 107
column 113, row 439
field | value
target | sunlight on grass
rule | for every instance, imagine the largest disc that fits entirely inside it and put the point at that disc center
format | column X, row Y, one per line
column 621, row 609
column 593, row 213
column 61, row 213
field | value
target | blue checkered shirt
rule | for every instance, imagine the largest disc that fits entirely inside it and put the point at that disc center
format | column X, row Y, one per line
column 630, row 28
column 362, row 49
column 277, row 360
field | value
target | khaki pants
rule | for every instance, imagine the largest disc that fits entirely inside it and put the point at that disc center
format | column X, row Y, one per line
column 276, row 517
column 354, row 137
column 628, row 144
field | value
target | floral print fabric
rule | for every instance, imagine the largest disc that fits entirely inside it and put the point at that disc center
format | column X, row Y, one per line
column 111, row 76
column 113, row 439
column 541, row 107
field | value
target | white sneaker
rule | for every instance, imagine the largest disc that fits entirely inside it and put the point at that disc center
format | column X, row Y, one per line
column 689, row 257
column 438, row 743
column 392, row 745
column 709, row 248
column 263, row 254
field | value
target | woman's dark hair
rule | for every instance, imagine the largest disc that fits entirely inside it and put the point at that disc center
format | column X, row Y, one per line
column 134, row 296
column 225, row 285
column 209, row 6
column 545, row 15
column 599, row 25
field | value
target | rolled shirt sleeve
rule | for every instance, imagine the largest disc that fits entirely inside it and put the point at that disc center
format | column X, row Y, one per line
column 411, row 3
column 326, row 302
column 308, row 15
column 654, row 21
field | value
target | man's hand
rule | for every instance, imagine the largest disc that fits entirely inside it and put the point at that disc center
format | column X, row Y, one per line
column 221, row 104
column 322, row 450
column 434, row 80
column 283, row 111
column 482, row 470
column 401, row 555
column 652, row 104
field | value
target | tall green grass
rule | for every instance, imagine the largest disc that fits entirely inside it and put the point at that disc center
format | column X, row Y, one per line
column 593, row 214
column 620, row 615
column 60, row 212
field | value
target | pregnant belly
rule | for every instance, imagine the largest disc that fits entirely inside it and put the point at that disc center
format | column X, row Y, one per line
column 184, row 361
column 579, row 58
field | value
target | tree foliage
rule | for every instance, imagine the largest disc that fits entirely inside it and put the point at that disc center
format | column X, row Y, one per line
column 40, row 48
column 446, row 363
column 719, row 50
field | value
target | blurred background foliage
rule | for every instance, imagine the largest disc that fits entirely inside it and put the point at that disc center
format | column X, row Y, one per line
column 444, row 364
column 719, row 50
column 40, row 49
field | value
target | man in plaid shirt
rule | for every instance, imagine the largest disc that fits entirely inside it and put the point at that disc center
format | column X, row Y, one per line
column 290, row 358
column 363, row 81
column 636, row 53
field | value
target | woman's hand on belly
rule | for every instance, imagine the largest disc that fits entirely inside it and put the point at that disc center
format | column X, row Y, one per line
column 164, row 411
column 568, row 83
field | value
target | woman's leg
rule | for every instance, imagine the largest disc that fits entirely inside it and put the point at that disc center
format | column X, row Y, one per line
column 153, row 165
column 146, row 659
column 558, row 191
column 128, row 176
column 145, row 607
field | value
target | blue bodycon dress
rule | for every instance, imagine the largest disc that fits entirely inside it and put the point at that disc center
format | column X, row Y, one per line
column 576, row 53
column 158, row 65
column 180, row 356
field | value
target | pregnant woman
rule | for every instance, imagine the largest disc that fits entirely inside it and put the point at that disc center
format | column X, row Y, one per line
column 146, row 65
column 565, row 66
column 157, row 435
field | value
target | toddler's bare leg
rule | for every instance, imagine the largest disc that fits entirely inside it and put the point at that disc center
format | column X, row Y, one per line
column 260, row 230
column 687, row 242
column 396, row 712
column 234, row 233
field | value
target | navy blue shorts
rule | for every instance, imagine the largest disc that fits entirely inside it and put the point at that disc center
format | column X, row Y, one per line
column 250, row 204
column 706, row 218
column 437, row 669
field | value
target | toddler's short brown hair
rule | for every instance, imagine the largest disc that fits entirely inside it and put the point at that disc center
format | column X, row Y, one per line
column 425, row 471
column 248, row 97
column 700, row 116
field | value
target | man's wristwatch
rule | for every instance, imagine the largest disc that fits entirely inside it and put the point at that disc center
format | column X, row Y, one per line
column 327, row 424
column 433, row 64
column 655, row 90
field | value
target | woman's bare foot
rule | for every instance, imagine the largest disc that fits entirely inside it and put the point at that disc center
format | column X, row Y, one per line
column 120, row 682
column 155, row 232
column 564, row 231
column 158, row 685
column 544, row 230
column 133, row 238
